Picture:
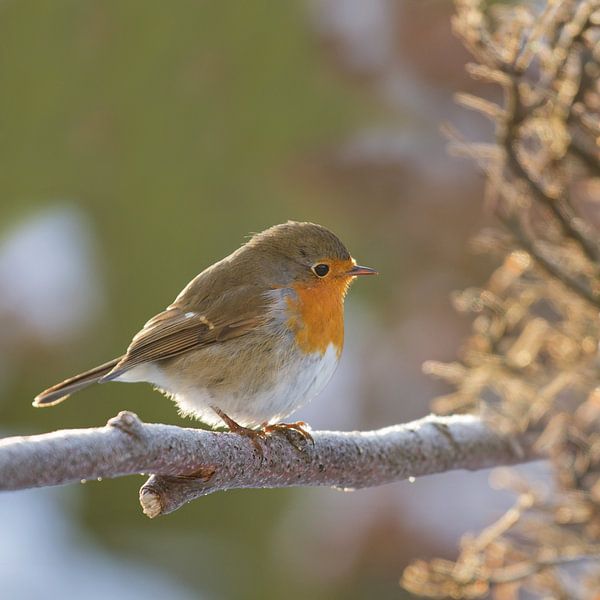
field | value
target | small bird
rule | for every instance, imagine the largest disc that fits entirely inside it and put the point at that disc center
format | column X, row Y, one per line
column 250, row 339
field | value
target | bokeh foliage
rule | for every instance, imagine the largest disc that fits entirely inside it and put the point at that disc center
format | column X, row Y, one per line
column 175, row 127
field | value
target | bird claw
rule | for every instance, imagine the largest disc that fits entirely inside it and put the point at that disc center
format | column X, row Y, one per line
column 254, row 435
column 289, row 430
column 299, row 427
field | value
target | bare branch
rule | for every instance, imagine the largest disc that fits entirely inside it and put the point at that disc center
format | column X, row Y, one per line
column 189, row 463
column 530, row 245
column 572, row 225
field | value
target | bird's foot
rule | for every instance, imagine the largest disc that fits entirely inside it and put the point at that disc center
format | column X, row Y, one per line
column 254, row 435
column 291, row 431
column 299, row 426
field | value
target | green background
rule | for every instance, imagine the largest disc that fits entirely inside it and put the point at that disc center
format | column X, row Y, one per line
column 178, row 128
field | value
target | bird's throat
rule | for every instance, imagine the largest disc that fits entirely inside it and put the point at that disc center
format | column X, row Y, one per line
column 317, row 316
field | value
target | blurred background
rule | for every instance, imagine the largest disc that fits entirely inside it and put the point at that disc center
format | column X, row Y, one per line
column 140, row 142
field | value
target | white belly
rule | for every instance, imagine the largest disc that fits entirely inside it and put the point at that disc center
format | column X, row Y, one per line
column 303, row 377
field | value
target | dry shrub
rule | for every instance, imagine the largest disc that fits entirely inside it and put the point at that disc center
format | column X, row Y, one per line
column 531, row 361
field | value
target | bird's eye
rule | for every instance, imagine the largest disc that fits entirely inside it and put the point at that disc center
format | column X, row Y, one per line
column 321, row 270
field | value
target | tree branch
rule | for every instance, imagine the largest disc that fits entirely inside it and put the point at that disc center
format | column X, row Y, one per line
column 531, row 246
column 189, row 463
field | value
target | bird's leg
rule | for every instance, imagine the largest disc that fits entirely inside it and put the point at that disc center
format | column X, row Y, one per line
column 252, row 434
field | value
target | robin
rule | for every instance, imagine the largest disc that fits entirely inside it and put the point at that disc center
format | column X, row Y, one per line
column 250, row 339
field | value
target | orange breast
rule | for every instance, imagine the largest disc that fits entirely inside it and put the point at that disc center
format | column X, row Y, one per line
column 317, row 315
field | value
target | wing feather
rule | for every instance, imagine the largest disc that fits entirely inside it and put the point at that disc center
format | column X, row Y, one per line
column 179, row 329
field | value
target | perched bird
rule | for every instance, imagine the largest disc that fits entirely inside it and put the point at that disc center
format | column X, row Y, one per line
column 250, row 339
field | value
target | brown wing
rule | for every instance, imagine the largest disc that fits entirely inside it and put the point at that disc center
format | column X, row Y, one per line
column 183, row 327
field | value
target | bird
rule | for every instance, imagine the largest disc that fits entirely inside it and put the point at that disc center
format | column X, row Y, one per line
column 249, row 340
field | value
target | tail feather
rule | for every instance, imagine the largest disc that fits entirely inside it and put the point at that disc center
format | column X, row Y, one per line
column 59, row 392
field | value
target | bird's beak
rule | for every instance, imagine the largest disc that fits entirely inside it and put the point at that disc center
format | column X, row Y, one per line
column 358, row 270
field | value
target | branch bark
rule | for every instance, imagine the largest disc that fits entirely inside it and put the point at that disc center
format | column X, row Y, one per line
column 189, row 463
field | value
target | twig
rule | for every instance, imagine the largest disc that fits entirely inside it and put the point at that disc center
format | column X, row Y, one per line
column 527, row 243
column 588, row 155
column 570, row 222
column 517, row 112
column 189, row 463
column 524, row 569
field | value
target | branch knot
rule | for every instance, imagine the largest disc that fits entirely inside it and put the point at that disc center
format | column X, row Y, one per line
column 128, row 422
